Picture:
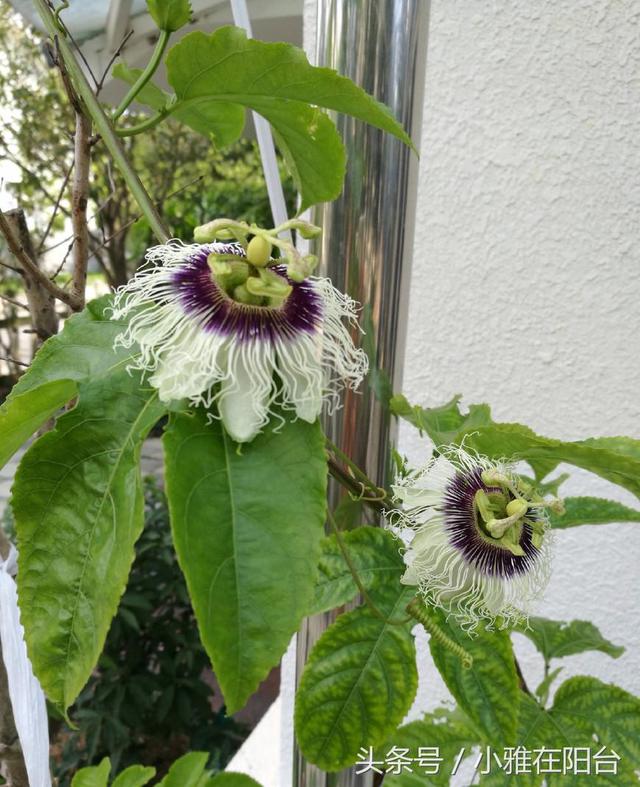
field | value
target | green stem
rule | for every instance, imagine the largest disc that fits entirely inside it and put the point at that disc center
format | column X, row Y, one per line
column 145, row 125
column 145, row 76
column 357, row 579
column 361, row 477
column 102, row 122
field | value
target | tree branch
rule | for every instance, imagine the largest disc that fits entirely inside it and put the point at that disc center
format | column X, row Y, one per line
column 30, row 268
column 80, row 200
column 101, row 121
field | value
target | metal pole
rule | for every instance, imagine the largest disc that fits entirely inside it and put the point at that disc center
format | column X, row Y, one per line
column 368, row 232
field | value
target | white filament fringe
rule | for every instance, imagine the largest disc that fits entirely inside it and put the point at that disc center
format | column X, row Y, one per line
column 247, row 378
column 27, row 698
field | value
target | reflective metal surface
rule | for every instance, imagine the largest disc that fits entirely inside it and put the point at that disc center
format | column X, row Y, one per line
column 367, row 236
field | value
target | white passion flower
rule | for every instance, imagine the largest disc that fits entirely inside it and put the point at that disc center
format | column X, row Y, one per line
column 481, row 547
column 210, row 329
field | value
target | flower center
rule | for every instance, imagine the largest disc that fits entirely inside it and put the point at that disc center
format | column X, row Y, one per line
column 501, row 511
column 248, row 283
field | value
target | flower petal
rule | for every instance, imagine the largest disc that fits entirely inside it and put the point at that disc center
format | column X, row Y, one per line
column 247, row 391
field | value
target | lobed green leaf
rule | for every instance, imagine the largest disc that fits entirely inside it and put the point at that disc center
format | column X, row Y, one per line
column 615, row 458
column 555, row 639
column 247, row 530
column 226, row 69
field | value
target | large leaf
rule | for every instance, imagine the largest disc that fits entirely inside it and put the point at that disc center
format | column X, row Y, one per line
column 277, row 81
column 247, row 529
column 592, row 511
column 78, row 505
column 615, row 458
column 376, row 555
column 555, row 639
column 449, row 736
column 134, row 776
column 82, row 351
column 95, row 776
column 358, row 684
column 487, row 692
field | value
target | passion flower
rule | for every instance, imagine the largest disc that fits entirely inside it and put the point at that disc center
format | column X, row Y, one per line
column 481, row 546
column 214, row 323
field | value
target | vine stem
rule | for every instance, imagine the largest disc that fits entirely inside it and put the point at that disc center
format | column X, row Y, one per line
column 357, row 481
column 358, row 579
column 145, row 76
column 102, row 123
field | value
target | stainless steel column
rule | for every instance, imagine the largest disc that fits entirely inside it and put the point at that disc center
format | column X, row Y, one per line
column 366, row 245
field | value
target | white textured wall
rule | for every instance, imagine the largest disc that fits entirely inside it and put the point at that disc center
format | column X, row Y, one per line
column 526, row 278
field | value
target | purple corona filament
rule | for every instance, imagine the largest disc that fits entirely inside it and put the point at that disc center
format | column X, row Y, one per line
column 461, row 523
column 202, row 298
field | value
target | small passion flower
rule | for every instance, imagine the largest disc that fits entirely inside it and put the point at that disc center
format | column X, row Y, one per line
column 223, row 322
column 481, row 546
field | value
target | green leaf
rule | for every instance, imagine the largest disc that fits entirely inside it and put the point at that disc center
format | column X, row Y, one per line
column 611, row 713
column 188, row 771
column 584, row 707
column 376, row 556
column 487, row 692
column 615, row 458
column 277, row 81
column 358, row 684
column 82, row 351
column 223, row 123
column 96, row 776
column 232, row 780
column 592, row 511
column 442, row 424
column 555, row 639
column 78, row 506
column 134, row 776
column 430, row 731
column 170, row 15
column 247, row 529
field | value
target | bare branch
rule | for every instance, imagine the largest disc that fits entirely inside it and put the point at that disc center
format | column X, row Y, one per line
column 31, row 269
column 14, row 360
column 14, row 303
column 57, row 206
column 79, row 206
column 113, row 59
